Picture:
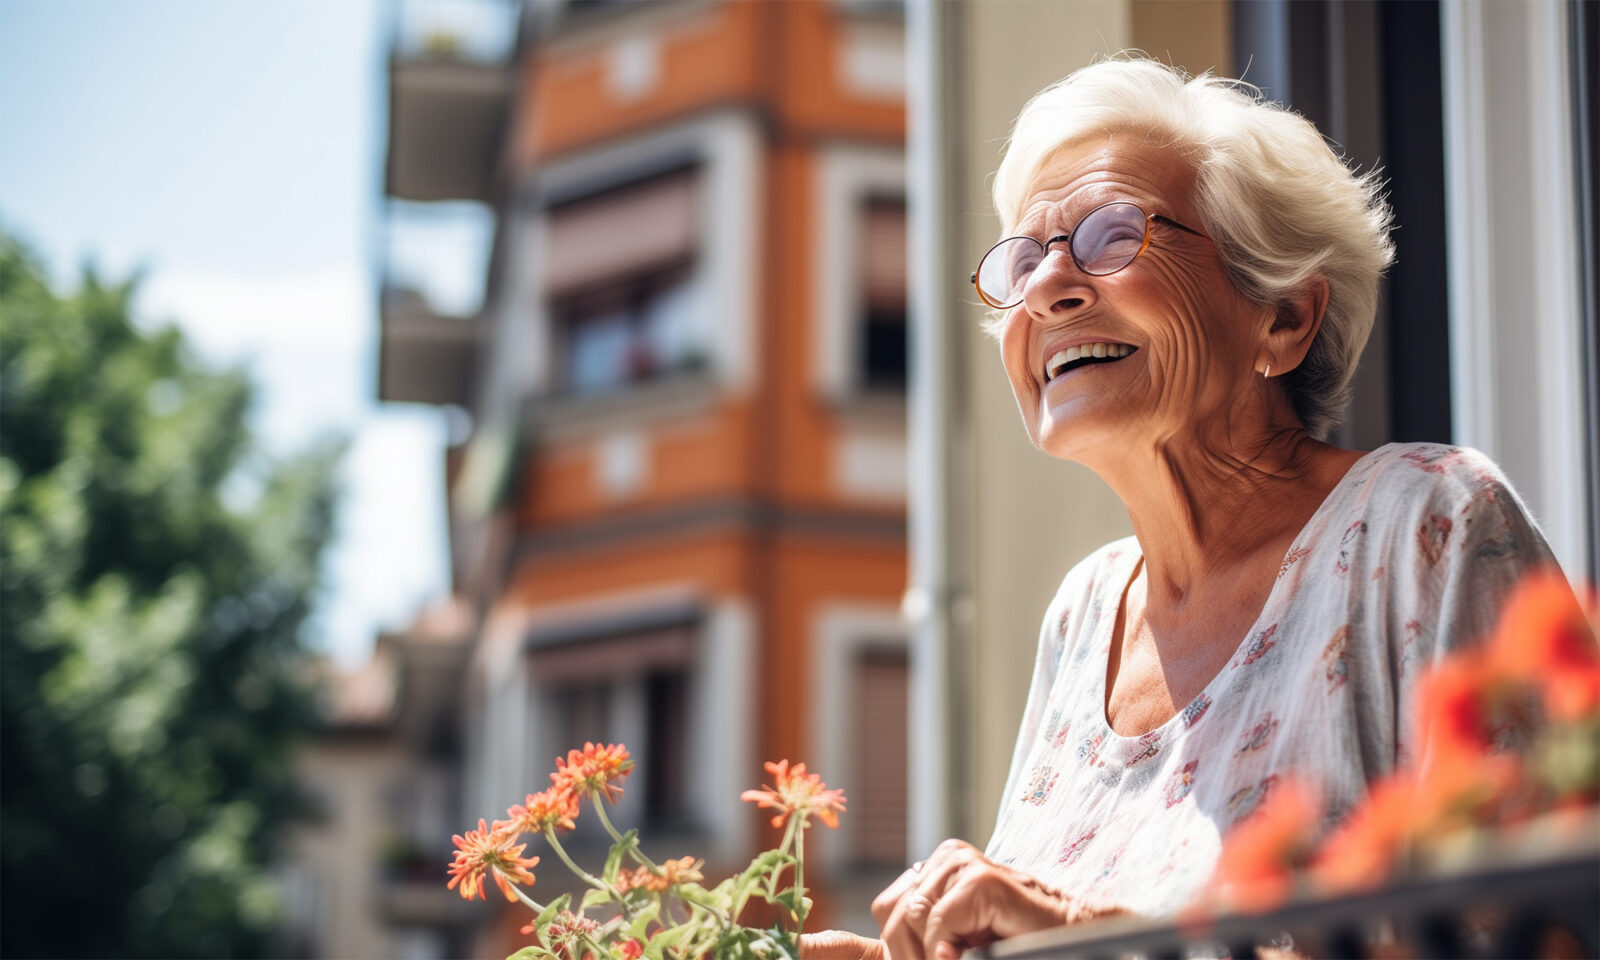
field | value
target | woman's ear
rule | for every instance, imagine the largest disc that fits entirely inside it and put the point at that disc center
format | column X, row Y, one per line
column 1295, row 327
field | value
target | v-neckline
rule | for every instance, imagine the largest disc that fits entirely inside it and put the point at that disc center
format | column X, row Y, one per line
column 1108, row 627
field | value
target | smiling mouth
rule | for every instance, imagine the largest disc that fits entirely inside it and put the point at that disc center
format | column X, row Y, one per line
column 1065, row 361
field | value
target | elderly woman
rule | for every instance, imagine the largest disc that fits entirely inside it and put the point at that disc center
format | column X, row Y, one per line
column 1187, row 281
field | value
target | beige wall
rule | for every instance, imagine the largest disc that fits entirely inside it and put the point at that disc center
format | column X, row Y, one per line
column 1032, row 517
column 339, row 856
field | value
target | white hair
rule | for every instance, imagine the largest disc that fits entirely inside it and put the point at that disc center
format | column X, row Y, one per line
column 1278, row 201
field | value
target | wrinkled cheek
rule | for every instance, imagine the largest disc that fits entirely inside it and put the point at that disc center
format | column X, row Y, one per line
column 1179, row 379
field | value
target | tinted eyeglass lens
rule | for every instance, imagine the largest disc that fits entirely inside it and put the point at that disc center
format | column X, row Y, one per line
column 1104, row 242
column 1006, row 269
column 1109, row 238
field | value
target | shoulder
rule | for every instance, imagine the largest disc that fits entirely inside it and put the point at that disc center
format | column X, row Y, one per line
column 1433, row 470
column 1455, row 531
column 1447, row 493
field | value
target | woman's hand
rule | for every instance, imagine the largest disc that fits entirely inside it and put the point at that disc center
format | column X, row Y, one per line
column 839, row 945
column 957, row 899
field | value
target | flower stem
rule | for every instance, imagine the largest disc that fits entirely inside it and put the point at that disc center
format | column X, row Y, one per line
column 800, row 876
column 586, row 876
column 788, row 838
column 633, row 851
column 533, row 904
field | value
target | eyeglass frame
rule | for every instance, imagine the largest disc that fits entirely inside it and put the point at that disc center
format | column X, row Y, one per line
column 1066, row 238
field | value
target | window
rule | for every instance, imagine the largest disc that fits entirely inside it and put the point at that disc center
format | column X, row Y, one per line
column 667, row 737
column 583, row 715
column 881, row 330
column 878, row 803
column 859, row 276
column 630, row 686
column 623, row 283
column 643, row 329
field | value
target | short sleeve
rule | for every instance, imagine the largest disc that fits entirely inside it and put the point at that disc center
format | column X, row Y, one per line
column 1471, row 546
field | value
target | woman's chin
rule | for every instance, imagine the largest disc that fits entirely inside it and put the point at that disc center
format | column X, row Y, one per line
column 1083, row 434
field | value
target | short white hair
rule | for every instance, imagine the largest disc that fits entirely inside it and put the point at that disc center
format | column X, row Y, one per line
column 1281, row 205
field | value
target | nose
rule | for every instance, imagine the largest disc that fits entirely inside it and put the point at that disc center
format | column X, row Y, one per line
column 1057, row 287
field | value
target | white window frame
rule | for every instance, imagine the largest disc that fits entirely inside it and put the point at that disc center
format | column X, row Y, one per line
column 727, row 147
column 846, row 176
column 1512, row 242
column 840, row 634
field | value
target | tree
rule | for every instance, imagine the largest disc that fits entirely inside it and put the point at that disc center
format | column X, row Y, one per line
column 156, row 571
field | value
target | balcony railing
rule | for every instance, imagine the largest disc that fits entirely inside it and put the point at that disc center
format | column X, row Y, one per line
column 1546, row 905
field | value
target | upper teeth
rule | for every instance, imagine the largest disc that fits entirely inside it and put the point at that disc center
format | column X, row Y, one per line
column 1061, row 358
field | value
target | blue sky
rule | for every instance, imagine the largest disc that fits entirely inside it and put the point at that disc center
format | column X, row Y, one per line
column 234, row 151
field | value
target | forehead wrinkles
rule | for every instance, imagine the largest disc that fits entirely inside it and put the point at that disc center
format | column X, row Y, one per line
column 1071, row 184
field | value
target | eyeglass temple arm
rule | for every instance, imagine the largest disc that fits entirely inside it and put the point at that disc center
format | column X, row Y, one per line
column 1173, row 223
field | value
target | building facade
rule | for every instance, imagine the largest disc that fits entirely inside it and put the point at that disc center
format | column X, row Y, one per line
column 679, row 511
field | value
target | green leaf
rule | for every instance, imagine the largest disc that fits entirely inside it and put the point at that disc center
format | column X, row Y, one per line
column 764, row 865
column 642, row 918
column 795, row 901
column 629, row 841
column 532, row 952
column 593, row 897
column 695, row 893
column 548, row 915
column 655, row 948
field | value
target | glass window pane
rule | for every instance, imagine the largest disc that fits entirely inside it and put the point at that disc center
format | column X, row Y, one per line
column 674, row 339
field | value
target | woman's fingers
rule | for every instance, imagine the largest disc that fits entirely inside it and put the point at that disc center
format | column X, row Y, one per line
column 937, row 864
column 903, row 909
column 985, row 905
column 902, row 935
column 957, row 900
column 884, row 903
column 839, row 945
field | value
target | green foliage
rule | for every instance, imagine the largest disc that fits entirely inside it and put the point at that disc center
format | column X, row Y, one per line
column 150, row 652
column 628, row 844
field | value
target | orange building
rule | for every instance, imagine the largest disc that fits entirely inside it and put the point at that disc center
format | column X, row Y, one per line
column 680, row 511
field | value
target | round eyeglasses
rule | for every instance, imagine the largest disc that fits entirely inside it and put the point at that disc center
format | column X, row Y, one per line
column 1108, row 238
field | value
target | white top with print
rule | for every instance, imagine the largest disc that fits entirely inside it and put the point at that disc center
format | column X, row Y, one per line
column 1412, row 554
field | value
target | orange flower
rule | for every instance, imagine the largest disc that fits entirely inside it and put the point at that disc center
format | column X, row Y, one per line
column 1544, row 637
column 1452, row 704
column 541, row 812
column 1360, row 854
column 632, row 950
column 1256, row 869
column 681, row 870
column 592, row 770
column 495, row 852
column 1460, row 790
column 797, row 792
column 567, row 933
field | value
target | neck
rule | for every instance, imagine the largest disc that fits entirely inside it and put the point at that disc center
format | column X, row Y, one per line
column 1206, row 512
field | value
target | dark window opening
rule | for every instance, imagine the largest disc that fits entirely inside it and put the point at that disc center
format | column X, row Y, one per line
column 667, row 732
column 881, row 339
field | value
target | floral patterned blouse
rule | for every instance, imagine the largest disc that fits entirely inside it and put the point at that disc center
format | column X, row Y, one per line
column 1411, row 554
